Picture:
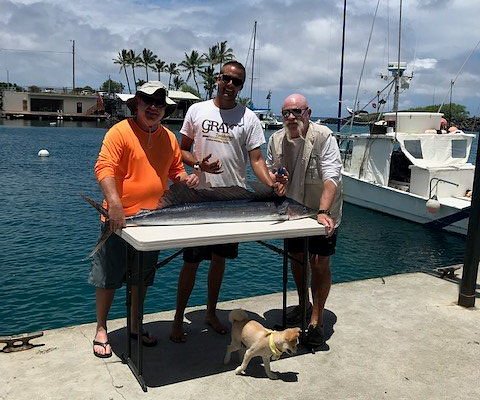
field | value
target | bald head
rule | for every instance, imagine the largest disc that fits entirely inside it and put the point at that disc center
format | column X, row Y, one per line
column 295, row 101
column 296, row 115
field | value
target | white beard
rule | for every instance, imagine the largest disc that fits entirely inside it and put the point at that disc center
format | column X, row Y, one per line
column 298, row 129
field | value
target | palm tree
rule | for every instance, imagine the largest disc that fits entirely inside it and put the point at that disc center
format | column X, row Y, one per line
column 134, row 61
column 148, row 60
column 209, row 81
column 172, row 70
column 178, row 82
column 192, row 64
column 224, row 53
column 122, row 59
column 160, row 66
column 212, row 56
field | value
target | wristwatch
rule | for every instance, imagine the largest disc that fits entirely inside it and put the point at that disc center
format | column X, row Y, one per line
column 327, row 212
column 196, row 166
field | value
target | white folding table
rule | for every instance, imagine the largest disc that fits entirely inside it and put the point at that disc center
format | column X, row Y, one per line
column 149, row 238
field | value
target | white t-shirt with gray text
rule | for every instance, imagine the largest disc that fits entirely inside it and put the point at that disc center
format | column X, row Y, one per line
column 228, row 135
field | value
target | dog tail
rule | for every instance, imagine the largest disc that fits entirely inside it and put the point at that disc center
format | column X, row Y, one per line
column 237, row 315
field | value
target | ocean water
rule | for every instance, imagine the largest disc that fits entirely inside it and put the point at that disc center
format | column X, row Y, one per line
column 47, row 231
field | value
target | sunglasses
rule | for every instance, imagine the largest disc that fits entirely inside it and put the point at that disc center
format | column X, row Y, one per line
column 227, row 78
column 297, row 112
column 152, row 101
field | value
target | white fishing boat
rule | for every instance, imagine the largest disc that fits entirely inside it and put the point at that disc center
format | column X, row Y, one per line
column 413, row 171
column 268, row 119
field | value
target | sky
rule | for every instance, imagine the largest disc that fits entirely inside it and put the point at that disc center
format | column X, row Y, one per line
column 298, row 45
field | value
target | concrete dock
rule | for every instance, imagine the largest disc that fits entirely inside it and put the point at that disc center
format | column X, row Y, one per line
column 397, row 337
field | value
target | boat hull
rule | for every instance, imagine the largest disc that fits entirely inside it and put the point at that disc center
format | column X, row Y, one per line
column 398, row 203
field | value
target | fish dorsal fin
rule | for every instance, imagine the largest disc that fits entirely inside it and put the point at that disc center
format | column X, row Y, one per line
column 179, row 193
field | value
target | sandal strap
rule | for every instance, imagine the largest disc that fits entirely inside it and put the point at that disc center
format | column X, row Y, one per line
column 103, row 344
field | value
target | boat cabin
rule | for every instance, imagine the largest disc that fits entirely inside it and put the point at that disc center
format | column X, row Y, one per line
column 413, row 156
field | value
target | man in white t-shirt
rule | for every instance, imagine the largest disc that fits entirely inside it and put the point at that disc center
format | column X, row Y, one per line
column 224, row 136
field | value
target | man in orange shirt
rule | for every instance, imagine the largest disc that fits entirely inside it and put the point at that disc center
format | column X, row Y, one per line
column 137, row 158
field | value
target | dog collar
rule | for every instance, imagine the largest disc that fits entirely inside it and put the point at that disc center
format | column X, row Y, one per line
column 273, row 348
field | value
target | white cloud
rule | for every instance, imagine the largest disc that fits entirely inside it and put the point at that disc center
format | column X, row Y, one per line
column 298, row 43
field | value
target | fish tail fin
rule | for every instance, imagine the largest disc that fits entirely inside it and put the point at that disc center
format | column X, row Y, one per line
column 101, row 241
column 102, row 210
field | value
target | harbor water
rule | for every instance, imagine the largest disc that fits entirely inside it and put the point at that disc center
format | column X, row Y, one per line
column 47, row 231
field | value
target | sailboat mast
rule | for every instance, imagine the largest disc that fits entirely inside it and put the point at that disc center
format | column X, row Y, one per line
column 341, row 68
column 253, row 60
column 397, row 75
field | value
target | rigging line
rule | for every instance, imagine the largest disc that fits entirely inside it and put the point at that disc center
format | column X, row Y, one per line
column 96, row 70
column 458, row 73
column 36, row 51
column 364, row 61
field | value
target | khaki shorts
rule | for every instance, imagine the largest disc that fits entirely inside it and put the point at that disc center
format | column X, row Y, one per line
column 109, row 264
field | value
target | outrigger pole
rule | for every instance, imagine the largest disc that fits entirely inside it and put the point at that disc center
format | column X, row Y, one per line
column 341, row 68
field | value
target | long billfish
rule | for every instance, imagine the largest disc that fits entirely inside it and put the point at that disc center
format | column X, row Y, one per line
column 183, row 206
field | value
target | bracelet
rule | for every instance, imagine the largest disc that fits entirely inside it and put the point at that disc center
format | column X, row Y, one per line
column 326, row 212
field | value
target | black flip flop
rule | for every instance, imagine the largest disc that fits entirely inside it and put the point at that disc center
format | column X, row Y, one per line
column 104, row 345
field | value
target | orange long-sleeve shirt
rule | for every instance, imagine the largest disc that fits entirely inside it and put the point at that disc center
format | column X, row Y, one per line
column 141, row 164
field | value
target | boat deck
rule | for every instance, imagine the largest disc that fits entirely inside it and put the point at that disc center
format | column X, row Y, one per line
column 397, row 337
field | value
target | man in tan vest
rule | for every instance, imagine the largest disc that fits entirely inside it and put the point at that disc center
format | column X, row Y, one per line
column 308, row 156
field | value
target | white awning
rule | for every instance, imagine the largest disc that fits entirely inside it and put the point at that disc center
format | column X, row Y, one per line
column 431, row 150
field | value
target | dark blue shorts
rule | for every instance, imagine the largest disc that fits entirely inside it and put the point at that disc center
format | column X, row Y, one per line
column 200, row 253
column 320, row 245
column 109, row 264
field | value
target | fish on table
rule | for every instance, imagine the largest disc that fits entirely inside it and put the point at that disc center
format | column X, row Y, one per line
column 181, row 205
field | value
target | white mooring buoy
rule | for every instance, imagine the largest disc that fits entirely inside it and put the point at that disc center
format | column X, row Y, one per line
column 43, row 153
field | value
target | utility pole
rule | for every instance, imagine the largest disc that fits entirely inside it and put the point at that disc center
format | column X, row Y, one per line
column 253, row 60
column 73, row 65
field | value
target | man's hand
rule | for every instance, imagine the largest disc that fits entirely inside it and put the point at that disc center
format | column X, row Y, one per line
column 191, row 180
column 281, row 175
column 280, row 189
column 116, row 216
column 327, row 222
column 213, row 167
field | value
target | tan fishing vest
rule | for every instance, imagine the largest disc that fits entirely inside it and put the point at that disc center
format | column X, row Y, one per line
column 309, row 190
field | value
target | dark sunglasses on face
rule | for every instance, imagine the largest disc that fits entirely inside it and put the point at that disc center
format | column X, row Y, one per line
column 227, row 78
column 297, row 112
column 150, row 101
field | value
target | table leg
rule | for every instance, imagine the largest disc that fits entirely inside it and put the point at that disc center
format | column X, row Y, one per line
column 304, row 297
column 285, row 281
column 136, row 368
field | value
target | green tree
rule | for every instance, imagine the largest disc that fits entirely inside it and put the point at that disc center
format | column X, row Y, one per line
column 190, row 89
column 245, row 101
column 224, row 54
column 456, row 114
column 172, row 70
column 34, row 89
column 209, row 81
column 148, row 60
column 134, row 61
column 111, row 86
column 159, row 67
column 192, row 63
column 122, row 59
column 178, row 81
column 211, row 57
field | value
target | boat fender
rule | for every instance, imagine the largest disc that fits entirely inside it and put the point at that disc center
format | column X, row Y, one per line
column 43, row 153
column 433, row 205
